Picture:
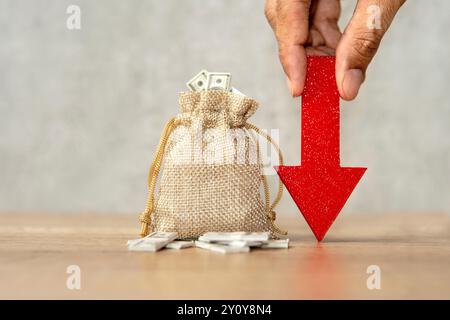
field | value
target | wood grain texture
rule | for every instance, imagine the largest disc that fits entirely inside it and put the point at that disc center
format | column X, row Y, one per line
column 413, row 252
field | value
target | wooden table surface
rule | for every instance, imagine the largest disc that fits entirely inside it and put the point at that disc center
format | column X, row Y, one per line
column 412, row 251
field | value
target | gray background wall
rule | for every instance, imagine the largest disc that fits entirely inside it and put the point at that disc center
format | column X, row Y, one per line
column 81, row 111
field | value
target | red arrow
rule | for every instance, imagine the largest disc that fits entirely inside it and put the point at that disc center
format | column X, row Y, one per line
column 320, row 186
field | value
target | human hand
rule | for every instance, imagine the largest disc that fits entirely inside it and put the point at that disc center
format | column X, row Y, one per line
column 310, row 27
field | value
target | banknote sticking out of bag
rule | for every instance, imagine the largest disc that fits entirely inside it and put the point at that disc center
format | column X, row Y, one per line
column 210, row 167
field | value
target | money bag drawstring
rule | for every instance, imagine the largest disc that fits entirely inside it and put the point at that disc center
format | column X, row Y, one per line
column 153, row 173
column 271, row 215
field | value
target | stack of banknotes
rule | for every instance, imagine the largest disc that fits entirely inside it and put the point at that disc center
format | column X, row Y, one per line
column 205, row 80
column 228, row 242
column 223, row 242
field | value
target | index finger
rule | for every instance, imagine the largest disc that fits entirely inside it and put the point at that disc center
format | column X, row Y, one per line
column 292, row 33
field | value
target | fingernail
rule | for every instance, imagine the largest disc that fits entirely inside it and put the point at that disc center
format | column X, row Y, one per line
column 289, row 84
column 353, row 79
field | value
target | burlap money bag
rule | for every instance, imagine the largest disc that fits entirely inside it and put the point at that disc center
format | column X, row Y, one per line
column 211, row 170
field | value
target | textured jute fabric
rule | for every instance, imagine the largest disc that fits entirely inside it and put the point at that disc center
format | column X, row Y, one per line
column 211, row 170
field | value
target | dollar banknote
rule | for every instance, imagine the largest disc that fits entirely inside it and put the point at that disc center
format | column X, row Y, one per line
column 242, row 243
column 198, row 82
column 275, row 244
column 205, row 80
column 152, row 242
column 180, row 244
column 231, row 236
column 222, row 248
column 218, row 81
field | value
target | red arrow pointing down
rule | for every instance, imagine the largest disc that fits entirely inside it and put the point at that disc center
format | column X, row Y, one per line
column 320, row 186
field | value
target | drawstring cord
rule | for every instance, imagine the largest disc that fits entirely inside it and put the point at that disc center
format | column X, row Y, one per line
column 271, row 214
column 153, row 173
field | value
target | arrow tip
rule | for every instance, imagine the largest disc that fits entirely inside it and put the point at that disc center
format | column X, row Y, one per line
column 320, row 192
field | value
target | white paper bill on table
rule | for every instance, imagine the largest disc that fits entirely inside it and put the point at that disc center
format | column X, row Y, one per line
column 276, row 244
column 242, row 243
column 198, row 82
column 152, row 242
column 220, row 247
column 138, row 240
column 134, row 241
column 218, row 81
column 180, row 244
column 143, row 248
column 232, row 236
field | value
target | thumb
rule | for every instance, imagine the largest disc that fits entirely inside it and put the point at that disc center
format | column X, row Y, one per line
column 360, row 42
